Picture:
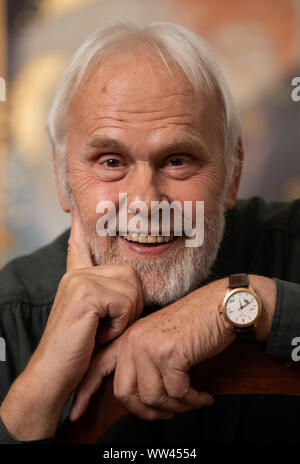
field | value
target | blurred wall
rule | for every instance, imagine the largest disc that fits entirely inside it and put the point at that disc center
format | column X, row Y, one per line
column 256, row 42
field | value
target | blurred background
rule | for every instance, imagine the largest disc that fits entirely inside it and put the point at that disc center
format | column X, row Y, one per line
column 257, row 44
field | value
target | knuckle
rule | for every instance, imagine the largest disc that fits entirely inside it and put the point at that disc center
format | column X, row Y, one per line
column 130, row 301
column 72, row 277
column 65, row 279
column 120, row 394
column 83, row 289
column 78, row 285
column 147, row 399
column 135, row 293
column 133, row 335
column 127, row 305
column 176, row 392
column 150, row 400
column 128, row 270
column 165, row 353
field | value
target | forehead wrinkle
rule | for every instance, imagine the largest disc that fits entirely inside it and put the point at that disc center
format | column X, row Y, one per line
column 178, row 119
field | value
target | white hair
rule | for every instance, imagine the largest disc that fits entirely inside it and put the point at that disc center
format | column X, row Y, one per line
column 172, row 43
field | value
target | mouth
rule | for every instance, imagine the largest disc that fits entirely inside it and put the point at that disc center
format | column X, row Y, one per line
column 149, row 240
column 148, row 244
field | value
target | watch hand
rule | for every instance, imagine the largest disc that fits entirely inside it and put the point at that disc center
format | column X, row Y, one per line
column 240, row 303
column 243, row 306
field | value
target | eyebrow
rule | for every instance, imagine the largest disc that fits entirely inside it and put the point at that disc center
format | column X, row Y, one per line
column 101, row 142
column 186, row 143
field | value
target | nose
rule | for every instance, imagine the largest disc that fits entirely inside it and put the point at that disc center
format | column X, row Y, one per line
column 145, row 185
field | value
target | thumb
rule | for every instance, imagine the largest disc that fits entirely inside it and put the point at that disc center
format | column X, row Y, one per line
column 78, row 255
column 103, row 364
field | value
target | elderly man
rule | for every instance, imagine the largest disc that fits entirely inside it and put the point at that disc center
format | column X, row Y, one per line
column 147, row 112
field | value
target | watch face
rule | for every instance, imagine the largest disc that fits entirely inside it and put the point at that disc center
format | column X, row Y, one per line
column 242, row 308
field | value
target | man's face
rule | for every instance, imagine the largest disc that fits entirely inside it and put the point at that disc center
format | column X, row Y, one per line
column 133, row 129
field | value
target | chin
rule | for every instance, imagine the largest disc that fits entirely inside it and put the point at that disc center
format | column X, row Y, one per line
column 168, row 276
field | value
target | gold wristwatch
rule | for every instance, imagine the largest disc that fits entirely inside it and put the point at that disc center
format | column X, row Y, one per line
column 241, row 307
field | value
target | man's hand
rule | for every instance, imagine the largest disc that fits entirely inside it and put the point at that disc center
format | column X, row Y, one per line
column 153, row 357
column 93, row 304
column 90, row 300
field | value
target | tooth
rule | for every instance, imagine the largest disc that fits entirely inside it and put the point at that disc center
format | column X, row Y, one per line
column 128, row 237
column 143, row 239
column 166, row 239
column 159, row 239
column 134, row 237
column 151, row 239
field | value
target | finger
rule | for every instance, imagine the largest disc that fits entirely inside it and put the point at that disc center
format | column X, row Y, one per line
column 197, row 399
column 116, row 320
column 176, row 381
column 153, row 393
column 119, row 273
column 123, row 272
column 126, row 391
column 103, row 364
column 177, row 384
column 78, row 255
column 150, row 384
column 124, row 289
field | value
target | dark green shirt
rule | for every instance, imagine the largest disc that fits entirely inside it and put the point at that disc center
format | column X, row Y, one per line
column 259, row 238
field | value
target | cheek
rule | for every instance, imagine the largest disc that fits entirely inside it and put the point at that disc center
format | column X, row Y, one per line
column 88, row 191
column 207, row 186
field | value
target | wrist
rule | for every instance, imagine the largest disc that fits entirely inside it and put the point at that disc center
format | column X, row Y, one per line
column 226, row 327
column 31, row 409
column 259, row 297
column 214, row 295
column 266, row 289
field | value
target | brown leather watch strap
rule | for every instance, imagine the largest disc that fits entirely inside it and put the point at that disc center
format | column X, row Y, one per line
column 238, row 280
column 245, row 334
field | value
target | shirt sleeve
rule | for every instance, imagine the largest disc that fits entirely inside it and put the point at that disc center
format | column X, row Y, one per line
column 286, row 321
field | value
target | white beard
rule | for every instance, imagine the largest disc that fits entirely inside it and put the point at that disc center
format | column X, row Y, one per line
column 166, row 278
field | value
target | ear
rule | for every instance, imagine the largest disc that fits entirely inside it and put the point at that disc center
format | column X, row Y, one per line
column 232, row 189
column 62, row 201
